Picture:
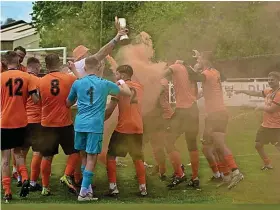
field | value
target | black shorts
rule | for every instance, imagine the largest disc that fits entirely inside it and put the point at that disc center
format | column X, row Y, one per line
column 185, row 121
column 52, row 137
column 268, row 135
column 12, row 137
column 121, row 144
column 216, row 122
column 32, row 135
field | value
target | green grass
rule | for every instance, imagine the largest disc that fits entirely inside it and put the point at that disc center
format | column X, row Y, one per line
column 258, row 187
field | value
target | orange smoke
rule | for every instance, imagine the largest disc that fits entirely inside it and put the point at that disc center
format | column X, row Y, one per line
column 138, row 56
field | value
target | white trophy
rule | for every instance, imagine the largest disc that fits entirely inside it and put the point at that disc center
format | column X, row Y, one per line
column 122, row 22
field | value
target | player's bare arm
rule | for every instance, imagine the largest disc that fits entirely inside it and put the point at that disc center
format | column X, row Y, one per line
column 35, row 97
column 112, row 62
column 105, row 50
column 110, row 108
column 195, row 74
column 72, row 67
column 124, row 89
column 250, row 93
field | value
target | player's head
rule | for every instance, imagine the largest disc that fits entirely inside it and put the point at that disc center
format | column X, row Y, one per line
column 12, row 59
column 64, row 68
column 124, row 72
column 52, row 62
column 21, row 52
column 94, row 66
column 80, row 52
column 205, row 60
column 273, row 79
column 33, row 65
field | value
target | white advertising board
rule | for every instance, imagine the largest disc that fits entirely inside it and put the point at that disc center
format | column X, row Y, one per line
column 231, row 99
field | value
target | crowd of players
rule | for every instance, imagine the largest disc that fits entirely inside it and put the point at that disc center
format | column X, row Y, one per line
column 36, row 112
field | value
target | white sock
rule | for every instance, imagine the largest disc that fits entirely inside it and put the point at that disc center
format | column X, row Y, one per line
column 14, row 169
column 235, row 172
column 222, row 174
column 90, row 189
column 217, row 174
column 112, row 185
column 33, row 183
column 83, row 191
column 142, row 186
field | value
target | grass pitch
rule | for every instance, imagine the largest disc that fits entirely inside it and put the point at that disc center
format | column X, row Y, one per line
column 258, row 187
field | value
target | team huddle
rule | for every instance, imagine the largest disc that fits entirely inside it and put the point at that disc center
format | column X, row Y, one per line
column 36, row 113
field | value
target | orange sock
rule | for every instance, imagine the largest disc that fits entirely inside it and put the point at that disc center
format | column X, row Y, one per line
column 77, row 176
column 230, row 162
column 194, row 156
column 23, row 172
column 223, row 168
column 267, row 161
column 72, row 162
column 214, row 167
column 175, row 160
column 6, row 182
column 112, row 171
column 46, row 172
column 35, row 167
column 140, row 171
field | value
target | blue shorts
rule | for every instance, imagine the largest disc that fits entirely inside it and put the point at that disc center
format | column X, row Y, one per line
column 89, row 142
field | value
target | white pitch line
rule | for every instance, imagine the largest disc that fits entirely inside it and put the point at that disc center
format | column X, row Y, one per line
column 245, row 155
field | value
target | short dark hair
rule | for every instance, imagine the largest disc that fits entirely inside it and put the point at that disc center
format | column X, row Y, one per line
column 32, row 60
column 11, row 57
column 91, row 62
column 126, row 69
column 22, row 49
column 274, row 74
column 52, row 61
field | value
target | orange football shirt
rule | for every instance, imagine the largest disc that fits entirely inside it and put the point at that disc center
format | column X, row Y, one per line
column 54, row 90
column 15, row 89
column 212, row 91
column 34, row 110
column 130, row 110
column 185, row 90
column 271, row 120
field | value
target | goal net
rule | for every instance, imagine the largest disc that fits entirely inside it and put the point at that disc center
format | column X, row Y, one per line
column 41, row 53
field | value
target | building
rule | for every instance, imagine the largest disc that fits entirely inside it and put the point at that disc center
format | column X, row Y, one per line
column 19, row 33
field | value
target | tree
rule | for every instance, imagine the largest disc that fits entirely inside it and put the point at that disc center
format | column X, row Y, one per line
column 228, row 29
column 73, row 23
